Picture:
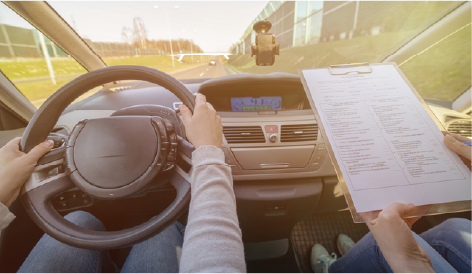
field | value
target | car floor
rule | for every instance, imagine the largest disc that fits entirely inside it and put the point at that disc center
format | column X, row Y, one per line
column 319, row 227
column 323, row 228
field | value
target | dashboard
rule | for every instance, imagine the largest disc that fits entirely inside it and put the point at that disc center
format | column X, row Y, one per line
column 270, row 132
column 269, row 129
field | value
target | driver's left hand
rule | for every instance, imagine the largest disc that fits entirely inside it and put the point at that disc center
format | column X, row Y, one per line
column 16, row 167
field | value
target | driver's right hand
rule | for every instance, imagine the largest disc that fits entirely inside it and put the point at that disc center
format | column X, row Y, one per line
column 203, row 127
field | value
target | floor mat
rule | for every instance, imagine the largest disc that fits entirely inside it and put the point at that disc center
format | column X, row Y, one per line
column 323, row 228
column 284, row 264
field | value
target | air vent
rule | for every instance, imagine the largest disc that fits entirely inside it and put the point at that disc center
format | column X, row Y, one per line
column 299, row 133
column 461, row 127
column 236, row 135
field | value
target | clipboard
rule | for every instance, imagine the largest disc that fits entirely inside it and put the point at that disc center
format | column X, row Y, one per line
column 365, row 68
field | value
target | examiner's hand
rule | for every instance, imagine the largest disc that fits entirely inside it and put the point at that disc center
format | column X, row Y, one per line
column 16, row 167
column 203, row 127
column 396, row 241
column 454, row 143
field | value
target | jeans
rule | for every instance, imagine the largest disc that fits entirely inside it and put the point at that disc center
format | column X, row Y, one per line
column 448, row 246
column 160, row 253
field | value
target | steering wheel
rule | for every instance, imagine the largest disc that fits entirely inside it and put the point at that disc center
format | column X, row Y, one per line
column 107, row 158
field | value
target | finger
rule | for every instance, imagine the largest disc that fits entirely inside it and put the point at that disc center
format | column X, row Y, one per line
column 14, row 143
column 200, row 99
column 402, row 209
column 411, row 221
column 39, row 150
column 458, row 147
column 393, row 212
column 186, row 113
column 210, row 106
column 13, row 146
column 459, row 137
column 369, row 216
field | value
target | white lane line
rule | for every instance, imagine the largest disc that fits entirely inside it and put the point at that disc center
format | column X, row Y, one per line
column 202, row 73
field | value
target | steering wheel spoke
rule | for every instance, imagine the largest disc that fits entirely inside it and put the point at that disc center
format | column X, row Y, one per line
column 52, row 156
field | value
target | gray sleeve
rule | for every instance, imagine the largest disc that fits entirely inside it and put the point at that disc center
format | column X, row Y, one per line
column 213, row 240
column 6, row 217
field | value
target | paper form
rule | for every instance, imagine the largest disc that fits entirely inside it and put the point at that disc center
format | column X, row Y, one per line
column 387, row 146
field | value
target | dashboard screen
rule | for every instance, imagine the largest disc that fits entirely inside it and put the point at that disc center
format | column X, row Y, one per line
column 255, row 104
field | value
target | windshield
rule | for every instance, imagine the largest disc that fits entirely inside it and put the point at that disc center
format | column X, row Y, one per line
column 201, row 40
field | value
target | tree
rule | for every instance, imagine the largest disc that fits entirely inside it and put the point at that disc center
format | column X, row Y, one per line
column 139, row 32
column 127, row 35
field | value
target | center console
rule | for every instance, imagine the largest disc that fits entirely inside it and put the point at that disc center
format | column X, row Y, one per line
column 269, row 129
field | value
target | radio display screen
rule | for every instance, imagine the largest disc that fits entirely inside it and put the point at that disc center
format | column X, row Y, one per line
column 256, row 104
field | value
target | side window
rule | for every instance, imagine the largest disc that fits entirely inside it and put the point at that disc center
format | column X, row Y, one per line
column 34, row 64
column 443, row 71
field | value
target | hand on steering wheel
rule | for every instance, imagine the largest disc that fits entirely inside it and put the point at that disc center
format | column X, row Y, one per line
column 107, row 158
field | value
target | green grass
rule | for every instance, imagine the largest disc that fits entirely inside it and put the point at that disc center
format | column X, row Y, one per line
column 37, row 92
column 359, row 49
column 443, row 72
column 34, row 69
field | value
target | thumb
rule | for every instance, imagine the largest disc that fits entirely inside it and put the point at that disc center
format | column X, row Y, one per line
column 458, row 147
column 186, row 113
column 39, row 150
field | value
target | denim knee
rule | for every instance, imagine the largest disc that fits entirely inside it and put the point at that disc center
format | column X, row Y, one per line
column 85, row 220
column 447, row 231
column 457, row 224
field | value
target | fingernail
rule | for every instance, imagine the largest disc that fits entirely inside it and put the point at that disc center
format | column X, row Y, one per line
column 50, row 143
column 410, row 204
column 374, row 222
column 450, row 139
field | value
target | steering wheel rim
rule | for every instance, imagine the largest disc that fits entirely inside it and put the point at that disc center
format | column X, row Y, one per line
column 37, row 132
column 36, row 195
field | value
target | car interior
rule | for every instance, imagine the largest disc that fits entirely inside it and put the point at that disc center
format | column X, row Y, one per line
column 287, row 192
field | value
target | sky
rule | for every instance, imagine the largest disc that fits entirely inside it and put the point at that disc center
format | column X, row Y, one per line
column 214, row 26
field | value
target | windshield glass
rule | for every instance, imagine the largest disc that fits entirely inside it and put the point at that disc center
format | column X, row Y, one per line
column 209, row 39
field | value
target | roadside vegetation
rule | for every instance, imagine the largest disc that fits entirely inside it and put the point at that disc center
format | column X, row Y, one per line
column 442, row 72
column 31, row 77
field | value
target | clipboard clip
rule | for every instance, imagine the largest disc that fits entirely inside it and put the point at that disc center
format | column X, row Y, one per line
column 350, row 66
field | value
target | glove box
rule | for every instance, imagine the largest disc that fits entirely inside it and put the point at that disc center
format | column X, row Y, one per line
column 273, row 157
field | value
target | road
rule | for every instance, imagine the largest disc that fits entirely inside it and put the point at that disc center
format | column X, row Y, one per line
column 203, row 71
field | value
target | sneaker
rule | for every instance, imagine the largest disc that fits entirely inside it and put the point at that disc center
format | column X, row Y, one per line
column 344, row 243
column 320, row 259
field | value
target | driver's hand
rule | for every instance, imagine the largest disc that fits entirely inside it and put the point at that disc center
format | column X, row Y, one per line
column 392, row 232
column 16, row 167
column 203, row 127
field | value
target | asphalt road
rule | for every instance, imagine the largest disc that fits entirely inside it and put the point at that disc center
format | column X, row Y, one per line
column 203, row 71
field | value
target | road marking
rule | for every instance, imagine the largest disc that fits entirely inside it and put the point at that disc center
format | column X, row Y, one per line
column 202, row 73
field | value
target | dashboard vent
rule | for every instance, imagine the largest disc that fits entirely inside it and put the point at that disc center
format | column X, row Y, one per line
column 461, row 127
column 299, row 133
column 236, row 135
